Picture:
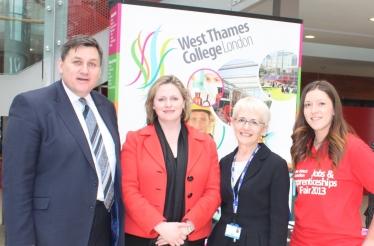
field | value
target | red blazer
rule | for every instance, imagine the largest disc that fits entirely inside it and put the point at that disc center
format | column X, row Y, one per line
column 144, row 182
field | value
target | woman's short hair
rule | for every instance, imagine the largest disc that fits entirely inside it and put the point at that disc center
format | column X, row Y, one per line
column 167, row 79
column 253, row 104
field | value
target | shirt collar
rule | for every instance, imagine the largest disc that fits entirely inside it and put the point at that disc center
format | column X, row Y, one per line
column 74, row 98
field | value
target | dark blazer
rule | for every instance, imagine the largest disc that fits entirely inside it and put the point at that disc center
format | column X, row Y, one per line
column 49, row 177
column 263, row 202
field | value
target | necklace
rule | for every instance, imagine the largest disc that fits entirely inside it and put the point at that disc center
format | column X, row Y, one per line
column 315, row 144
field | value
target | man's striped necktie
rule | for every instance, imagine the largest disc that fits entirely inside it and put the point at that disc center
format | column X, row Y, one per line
column 99, row 151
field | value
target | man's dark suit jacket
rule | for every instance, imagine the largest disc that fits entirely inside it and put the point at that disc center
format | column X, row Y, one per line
column 49, row 177
column 263, row 202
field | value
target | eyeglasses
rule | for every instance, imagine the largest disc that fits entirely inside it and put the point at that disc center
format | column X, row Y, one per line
column 252, row 123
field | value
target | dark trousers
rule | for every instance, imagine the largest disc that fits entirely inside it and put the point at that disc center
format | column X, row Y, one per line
column 132, row 240
column 100, row 231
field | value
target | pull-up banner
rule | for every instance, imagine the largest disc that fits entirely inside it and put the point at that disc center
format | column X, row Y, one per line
column 220, row 56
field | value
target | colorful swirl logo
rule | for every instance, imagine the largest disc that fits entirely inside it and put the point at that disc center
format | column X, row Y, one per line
column 153, row 66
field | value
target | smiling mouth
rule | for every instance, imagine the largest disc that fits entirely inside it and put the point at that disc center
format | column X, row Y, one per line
column 168, row 111
column 314, row 119
column 245, row 134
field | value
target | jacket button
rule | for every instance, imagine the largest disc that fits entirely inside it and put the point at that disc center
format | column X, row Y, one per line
column 190, row 178
column 95, row 183
column 189, row 195
column 91, row 208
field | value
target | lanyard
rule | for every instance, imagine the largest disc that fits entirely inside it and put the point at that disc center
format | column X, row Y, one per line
column 236, row 196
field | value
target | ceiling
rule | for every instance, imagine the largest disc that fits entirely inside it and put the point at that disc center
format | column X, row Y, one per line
column 344, row 35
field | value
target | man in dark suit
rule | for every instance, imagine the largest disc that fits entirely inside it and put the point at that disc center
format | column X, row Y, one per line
column 61, row 172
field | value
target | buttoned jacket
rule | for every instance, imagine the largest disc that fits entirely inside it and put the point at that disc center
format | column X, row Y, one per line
column 49, row 177
column 144, row 182
column 262, row 204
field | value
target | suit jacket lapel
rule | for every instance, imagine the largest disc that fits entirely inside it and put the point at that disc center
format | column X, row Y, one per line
column 255, row 165
column 70, row 119
column 226, row 171
column 253, row 168
column 155, row 150
column 153, row 146
column 194, row 147
column 104, row 112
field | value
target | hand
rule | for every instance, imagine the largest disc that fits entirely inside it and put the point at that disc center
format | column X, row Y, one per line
column 191, row 225
column 183, row 228
column 170, row 233
column 161, row 241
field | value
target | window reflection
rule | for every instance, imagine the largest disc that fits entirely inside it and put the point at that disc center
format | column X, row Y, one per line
column 21, row 34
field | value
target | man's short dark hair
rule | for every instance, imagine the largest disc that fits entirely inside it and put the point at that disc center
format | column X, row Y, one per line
column 80, row 40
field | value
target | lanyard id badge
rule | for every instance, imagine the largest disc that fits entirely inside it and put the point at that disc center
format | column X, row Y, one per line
column 233, row 231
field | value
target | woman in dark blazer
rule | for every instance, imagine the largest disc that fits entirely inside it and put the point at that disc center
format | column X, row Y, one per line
column 263, row 182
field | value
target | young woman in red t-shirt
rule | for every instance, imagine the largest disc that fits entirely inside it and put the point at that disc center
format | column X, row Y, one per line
column 332, row 166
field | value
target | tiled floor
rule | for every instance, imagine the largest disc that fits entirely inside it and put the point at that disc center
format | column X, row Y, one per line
column 2, row 239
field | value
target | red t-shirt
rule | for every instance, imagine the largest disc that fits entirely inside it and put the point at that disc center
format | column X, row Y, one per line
column 327, row 207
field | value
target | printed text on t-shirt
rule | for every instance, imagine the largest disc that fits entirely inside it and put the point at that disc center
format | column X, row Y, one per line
column 318, row 183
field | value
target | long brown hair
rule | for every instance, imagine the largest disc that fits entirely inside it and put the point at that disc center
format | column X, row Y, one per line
column 167, row 79
column 303, row 133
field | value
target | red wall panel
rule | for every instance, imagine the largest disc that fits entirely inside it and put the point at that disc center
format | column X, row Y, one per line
column 89, row 16
column 362, row 121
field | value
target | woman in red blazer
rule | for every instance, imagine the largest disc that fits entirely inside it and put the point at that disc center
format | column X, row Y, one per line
column 170, row 178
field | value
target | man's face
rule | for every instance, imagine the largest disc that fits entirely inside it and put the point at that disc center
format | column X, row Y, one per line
column 199, row 120
column 220, row 113
column 81, row 70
